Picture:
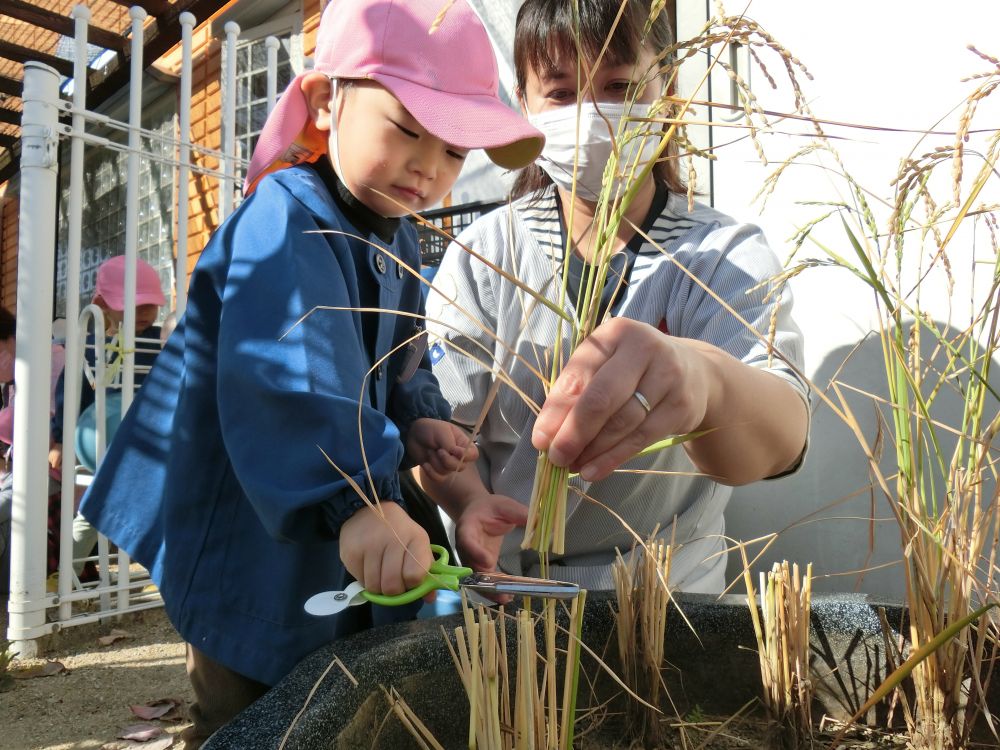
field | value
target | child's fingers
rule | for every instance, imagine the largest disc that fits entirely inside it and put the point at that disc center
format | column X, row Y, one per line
column 417, row 561
column 429, row 469
column 447, row 460
column 372, row 566
column 393, row 561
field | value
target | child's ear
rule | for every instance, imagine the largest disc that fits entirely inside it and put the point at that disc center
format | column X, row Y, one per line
column 316, row 89
column 520, row 101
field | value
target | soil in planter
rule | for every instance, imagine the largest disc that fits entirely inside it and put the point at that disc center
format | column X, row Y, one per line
column 729, row 733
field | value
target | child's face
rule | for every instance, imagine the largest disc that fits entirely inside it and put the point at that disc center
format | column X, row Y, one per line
column 145, row 316
column 557, row 87
column 382, row 149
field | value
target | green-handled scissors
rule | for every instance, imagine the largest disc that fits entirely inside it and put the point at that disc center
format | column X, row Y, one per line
column 441, row 576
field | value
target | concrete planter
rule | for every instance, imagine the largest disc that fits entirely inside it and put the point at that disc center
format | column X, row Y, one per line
column 716, row 671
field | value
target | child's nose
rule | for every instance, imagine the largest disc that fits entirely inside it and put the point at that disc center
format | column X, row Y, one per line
column 425, row 163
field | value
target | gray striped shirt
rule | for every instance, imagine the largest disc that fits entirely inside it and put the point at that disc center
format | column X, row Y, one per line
column 485, row 330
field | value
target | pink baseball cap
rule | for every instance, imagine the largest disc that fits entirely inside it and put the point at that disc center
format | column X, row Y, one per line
column 432, row 55
column 111, row 283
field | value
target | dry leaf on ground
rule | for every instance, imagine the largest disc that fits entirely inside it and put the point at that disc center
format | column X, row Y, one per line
column 47, row 669
column 140, row 732
column 164, row 709
column 161, row 743
column 114, row 635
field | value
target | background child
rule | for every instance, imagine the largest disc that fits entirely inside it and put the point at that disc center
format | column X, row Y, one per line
column 109, row 295
column 8, row 347
column 265, row 419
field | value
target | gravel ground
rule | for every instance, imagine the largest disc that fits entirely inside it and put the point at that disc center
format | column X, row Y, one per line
column 87, row 705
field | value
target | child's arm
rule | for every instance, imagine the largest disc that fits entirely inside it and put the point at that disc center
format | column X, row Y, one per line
column 291, row 370
column 438, row 447
column 385, row 549
column 481, row 518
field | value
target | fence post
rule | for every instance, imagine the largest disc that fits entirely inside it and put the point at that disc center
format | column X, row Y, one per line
column 184, row 170
column 33, row 363
column 72, row 377
column 272, row 44
column 228, row 182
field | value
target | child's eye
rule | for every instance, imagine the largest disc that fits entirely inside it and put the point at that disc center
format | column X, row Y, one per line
column 620, row 88
column 406, row 131
column 457, row 154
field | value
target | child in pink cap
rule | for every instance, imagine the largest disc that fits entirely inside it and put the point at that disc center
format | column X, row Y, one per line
column 259, row 464
column 109, row 295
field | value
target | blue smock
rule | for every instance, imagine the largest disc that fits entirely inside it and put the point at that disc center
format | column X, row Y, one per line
column 217, row 480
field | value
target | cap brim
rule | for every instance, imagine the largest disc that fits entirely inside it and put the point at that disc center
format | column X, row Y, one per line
column 470, row 121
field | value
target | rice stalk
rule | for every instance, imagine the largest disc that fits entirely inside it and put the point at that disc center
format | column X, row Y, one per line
column 643, row 597
column 781, row 629
column 525, row 710
column 410, row 721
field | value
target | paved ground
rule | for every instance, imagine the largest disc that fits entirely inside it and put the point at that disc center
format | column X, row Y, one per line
column 86, row 706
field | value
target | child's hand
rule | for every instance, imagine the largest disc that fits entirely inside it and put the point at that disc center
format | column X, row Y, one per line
column 439, row 448
column 481, row 527
column 55, row 456
column 387, row 552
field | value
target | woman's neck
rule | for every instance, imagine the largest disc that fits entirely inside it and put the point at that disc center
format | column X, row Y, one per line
column 582, row 230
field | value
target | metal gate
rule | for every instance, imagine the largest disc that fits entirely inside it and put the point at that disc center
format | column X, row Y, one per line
column 123, row 587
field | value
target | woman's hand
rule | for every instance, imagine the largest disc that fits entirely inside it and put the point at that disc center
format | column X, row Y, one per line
column 754, row 422
column 593, row 420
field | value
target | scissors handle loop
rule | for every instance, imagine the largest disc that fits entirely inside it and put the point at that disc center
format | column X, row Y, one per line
column 440, row 576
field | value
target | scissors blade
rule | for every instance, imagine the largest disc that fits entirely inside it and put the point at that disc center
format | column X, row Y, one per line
column 501, row 583
column 328, row 603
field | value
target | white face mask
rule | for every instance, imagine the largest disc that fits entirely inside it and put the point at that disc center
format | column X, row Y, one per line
column 595, row 144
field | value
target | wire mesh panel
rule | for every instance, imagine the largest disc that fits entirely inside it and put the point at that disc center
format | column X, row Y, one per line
column 450, row 220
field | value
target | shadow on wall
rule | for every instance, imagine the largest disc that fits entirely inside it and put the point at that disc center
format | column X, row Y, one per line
column 827, row 513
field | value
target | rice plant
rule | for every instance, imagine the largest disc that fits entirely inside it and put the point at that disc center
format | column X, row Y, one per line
column 781, row 627
column 526, row 708
column 944, row 501
column 643, row 601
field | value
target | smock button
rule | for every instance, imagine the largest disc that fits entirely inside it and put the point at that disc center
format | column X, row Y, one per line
column 380, row 263
column 399, row 270
column 378, row 370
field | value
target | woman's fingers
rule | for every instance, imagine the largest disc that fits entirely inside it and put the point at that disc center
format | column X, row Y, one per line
column 625, row 387
column 594, row 393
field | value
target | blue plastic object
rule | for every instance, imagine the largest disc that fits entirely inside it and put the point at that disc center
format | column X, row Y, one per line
column 86, row 429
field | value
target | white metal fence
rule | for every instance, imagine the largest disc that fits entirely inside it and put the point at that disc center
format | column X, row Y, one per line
column 34, row 611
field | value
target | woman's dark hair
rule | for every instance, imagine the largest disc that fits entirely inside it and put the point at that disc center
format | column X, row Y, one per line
column 545, row 33
column 8, row 324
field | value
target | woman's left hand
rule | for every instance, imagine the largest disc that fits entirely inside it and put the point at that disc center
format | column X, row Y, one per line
column 625, row 387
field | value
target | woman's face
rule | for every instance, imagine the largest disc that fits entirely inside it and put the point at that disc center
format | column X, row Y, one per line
column 557, row 86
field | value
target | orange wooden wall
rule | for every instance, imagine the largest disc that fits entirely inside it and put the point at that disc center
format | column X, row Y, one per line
column 206, row 126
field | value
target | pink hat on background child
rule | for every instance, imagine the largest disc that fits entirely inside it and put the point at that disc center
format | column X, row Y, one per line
column 432, row 55
column 111, row 283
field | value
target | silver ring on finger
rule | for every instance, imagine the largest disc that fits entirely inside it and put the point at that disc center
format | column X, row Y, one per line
column 643, row 401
